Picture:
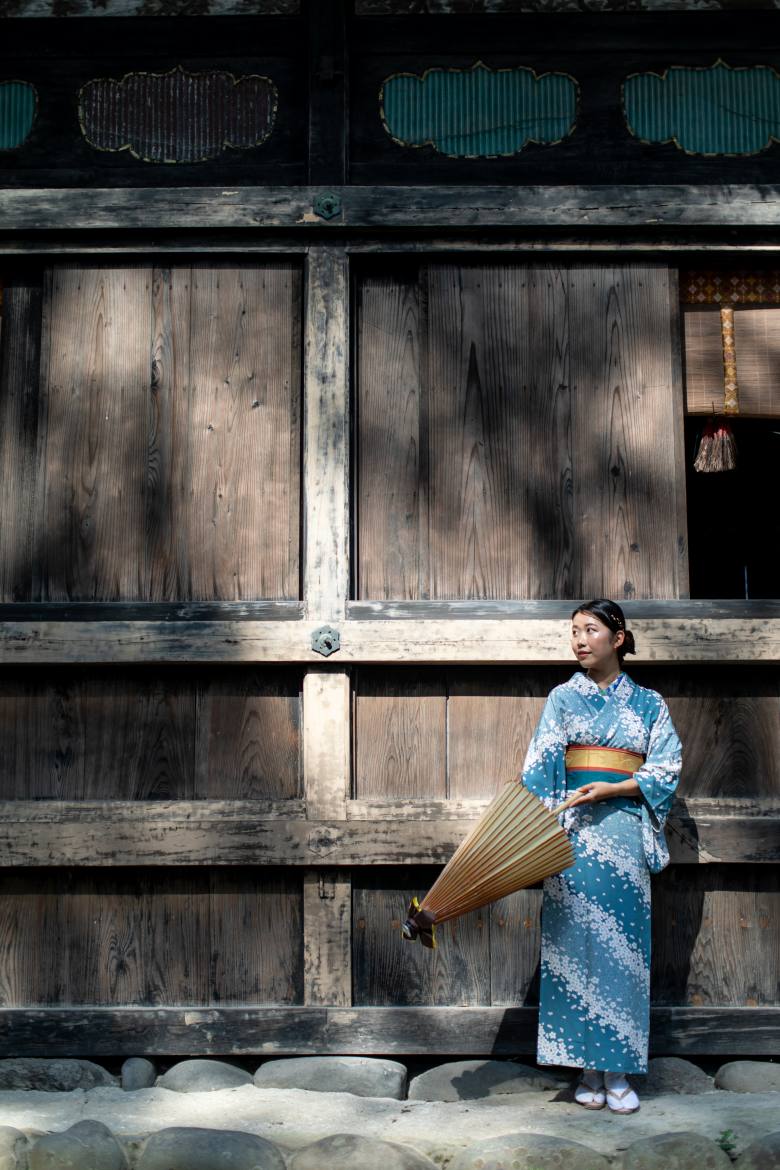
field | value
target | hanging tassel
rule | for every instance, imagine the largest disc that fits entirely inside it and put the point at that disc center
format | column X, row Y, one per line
column 717, row 447
column 703, row 458
column 724, row 448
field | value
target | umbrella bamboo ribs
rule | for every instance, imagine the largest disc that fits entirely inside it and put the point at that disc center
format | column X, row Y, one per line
column 516, row 843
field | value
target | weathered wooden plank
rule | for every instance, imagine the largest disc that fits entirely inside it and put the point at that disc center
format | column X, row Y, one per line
column 97, row 734
column 326, row 434
column 400, row 735
column 387, row 207
column 526, row 406
column 623, row 447
column 560, row 610
column 278, row 611
column 326, row 743
column 91, row 478
column 51, row 833
column 255, row 925
column 224, row 401
column 391, row 495
column 327, row 938
column 542, row 642
column 728, row 723
column 515, row 938
column 152, row 937
column 716, row 936
column 674, row 243
column 145, row 611
column 390, row 971
column 677, row 411
column 248, row 735
column 490, row 720
column 19, row 376
column 310, row 1031
column 107, row 938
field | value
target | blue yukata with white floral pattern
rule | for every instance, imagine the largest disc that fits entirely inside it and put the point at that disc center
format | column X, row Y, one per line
column 594, row 1009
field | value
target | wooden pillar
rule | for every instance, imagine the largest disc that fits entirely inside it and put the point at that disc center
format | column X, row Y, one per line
column 327, row 905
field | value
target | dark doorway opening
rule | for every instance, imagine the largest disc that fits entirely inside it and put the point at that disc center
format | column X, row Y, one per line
column 734, row 516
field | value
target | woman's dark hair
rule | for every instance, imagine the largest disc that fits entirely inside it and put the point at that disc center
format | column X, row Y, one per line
column 610, row 613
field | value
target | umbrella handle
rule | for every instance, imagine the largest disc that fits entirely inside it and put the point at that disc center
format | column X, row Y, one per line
column 566, row 804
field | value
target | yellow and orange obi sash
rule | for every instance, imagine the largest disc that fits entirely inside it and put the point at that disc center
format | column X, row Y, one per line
column 591, row 758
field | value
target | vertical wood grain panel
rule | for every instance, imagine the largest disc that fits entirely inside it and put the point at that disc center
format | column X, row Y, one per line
column 96, row 734
column 255, row 937
column 491, row 716
column 107, row 937
column 242, row 484
column 729, row 724
column 546, row 429
column 92, row 544
column 154, row 937
column 391, row 494
column 624, row 448
column 327, row 938
column 249, row 733
column 550, row 548
column 716, row 936
column 400, row 734
column 515, row 939
column 477, row 437
column 388, row 970
column 20, row 340
column 93, row 733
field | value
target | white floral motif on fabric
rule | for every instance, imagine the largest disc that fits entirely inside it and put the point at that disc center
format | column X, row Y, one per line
column 594, row 998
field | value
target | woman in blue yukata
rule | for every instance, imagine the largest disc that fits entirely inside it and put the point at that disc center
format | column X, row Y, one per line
column 612, row 741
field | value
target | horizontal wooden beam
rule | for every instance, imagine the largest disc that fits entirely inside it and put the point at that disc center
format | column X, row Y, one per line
column 559, row 610
column 311, row 1031
column 64, row 833
column 541, row 641
column 389, row 208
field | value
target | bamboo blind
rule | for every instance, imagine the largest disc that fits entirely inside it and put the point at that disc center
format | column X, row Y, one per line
column 757, row 344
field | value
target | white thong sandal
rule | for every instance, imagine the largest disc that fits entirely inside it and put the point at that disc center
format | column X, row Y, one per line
column 620, row 1100
column 589, row 1095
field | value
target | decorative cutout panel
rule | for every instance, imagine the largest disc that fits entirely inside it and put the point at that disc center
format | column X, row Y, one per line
column 177, row 117
column 18, row 107
column 478, row 112
column 707, row 287
column 715, row 110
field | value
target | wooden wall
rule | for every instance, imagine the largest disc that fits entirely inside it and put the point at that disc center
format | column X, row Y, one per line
column 517, row 433
column 428, row 402
column 200, row 816
column 134, row 466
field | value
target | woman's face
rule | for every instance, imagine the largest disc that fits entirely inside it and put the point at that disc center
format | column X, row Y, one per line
column 593, row 643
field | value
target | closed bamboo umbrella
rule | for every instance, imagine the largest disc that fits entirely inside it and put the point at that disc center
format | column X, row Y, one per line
column 516, row 843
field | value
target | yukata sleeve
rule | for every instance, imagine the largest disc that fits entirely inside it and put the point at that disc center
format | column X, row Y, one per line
column 544, row 770
column 660, row 773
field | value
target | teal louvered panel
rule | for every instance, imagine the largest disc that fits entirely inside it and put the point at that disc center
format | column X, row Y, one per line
column 717, row 110
column 478, row 112
column 18, row 104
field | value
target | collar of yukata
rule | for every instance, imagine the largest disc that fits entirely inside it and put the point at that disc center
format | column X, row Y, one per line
column 619, row 686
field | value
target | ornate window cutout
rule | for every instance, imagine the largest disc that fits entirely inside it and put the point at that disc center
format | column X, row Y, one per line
column 177, row 117
column 478, row 112
column 18, row 108
column 710, row 110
